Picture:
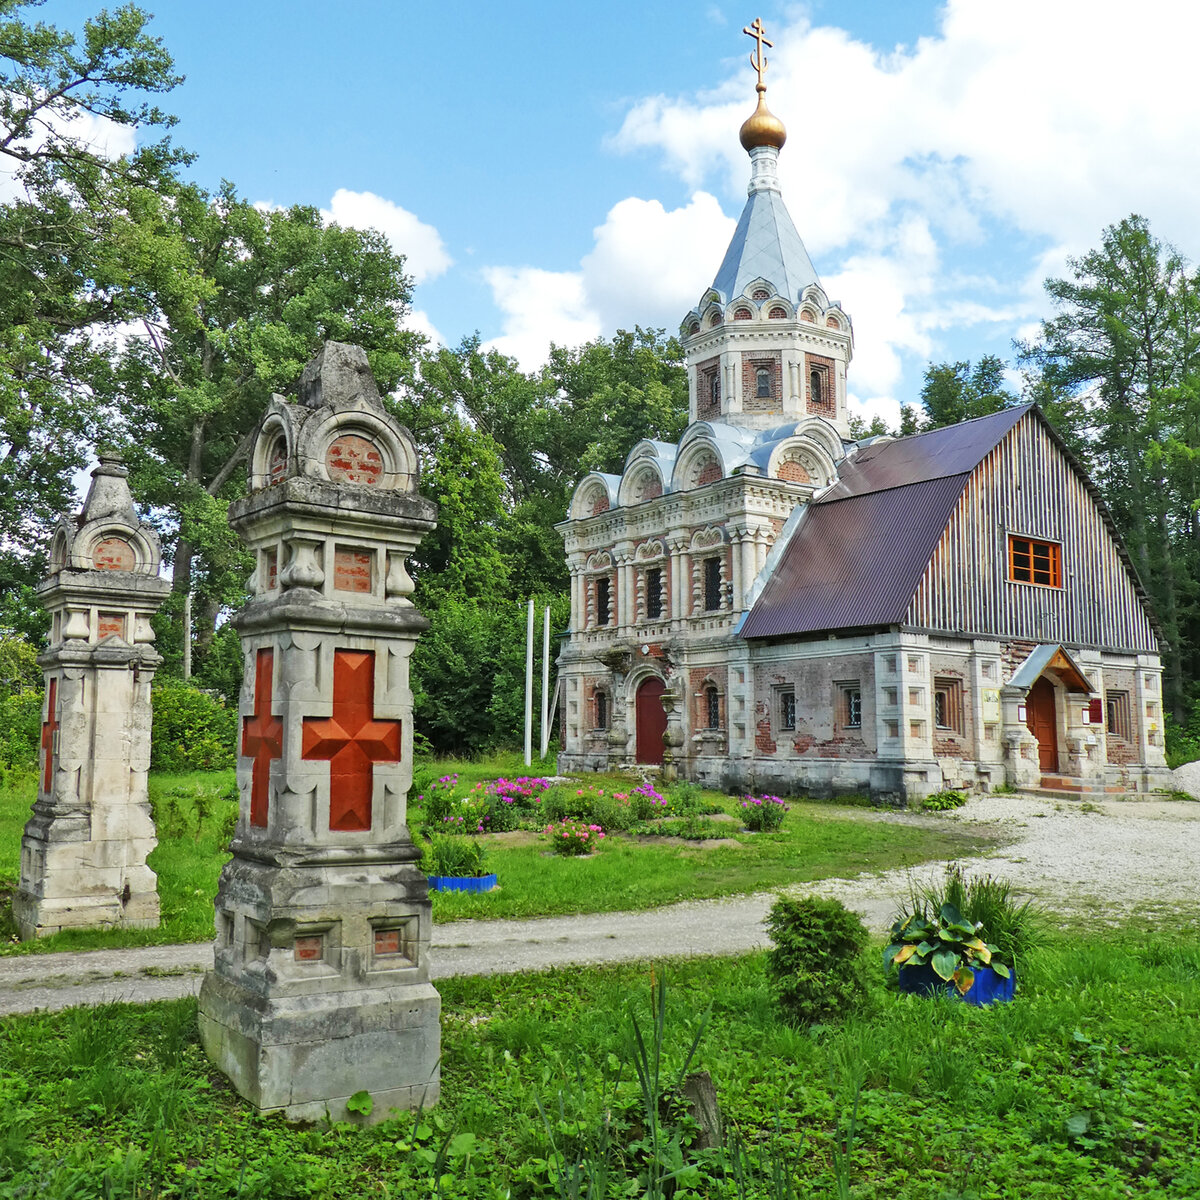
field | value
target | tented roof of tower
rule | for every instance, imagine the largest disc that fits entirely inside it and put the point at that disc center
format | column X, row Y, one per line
column 862, row 547
column 765, row 245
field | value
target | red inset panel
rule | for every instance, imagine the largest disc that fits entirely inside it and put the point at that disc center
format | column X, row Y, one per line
column 262, row 736
column 354, row 459
column 351, row 740
column 49, row 729
column 387, row 941
column 309, row 949
column 113, row 554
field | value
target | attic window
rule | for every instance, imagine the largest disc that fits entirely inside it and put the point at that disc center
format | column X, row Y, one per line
column 778, row 314
column 742, row 314
column 1031, row 561
column 760, row 294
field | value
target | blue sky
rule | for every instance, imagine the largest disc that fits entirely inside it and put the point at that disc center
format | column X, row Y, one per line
column 557, row 171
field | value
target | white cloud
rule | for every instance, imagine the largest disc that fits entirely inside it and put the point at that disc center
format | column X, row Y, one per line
column 418, row 321
column 424, row 252
column 1037, row 122
column 649, row 265
column 539, row 307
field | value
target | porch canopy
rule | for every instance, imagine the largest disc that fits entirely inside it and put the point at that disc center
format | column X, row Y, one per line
column 1057, row 659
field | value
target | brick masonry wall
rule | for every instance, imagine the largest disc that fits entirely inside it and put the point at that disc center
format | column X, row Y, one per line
column 828, row 404
column 751, row 361
column 817, row 732
column 706, row 408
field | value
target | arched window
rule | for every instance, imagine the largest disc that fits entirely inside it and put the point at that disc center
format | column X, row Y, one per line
column 603, row 600
column 742, row 314
column 778, row 314
column 694, row 328
column 601, row 710
column 654, row 593
column 763, row 383
column 712, row 707
column 814, row 387
column 714, row 388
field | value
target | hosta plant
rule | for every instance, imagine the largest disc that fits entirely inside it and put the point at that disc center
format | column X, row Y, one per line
column 946, row 942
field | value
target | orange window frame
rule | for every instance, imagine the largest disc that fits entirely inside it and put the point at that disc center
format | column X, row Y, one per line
column 1034, row 561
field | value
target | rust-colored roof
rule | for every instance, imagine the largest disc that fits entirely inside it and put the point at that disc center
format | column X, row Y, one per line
column 861, row 548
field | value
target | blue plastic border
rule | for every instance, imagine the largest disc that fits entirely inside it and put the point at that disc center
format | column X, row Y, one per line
column 461, row 883
column 988, row 988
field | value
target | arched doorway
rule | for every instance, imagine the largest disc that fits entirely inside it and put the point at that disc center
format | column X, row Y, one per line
column 1041, row 716
column 651, row 720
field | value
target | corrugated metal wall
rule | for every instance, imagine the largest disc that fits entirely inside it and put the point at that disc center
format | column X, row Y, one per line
column 1027, row 487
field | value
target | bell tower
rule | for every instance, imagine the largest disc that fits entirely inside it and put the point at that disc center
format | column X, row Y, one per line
column 765, row 345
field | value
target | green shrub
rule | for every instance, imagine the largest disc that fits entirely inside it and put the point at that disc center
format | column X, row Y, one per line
column 944, row 801
column 193, row 731
column 613, row 812
column 447, row 855
column 20, row 731
column 686, row 798
column 692, row 828
column 814, row 959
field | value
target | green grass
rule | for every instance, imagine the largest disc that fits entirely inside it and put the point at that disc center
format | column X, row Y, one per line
column 192, row 812
column 1088, row 1085
column 818, row 841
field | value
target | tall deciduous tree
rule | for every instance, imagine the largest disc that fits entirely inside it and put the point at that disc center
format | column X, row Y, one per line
column 249, row 297
column 960, row 392
column 72, row 246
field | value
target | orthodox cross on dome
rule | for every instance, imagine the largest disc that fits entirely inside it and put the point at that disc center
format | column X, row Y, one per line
column 262, row 736
column 758, row 60
column 351, row 740
column 49, row 729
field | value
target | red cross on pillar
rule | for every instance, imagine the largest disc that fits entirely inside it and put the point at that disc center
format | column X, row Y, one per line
column 49, row 729
column 262, row 736
column 351, row 740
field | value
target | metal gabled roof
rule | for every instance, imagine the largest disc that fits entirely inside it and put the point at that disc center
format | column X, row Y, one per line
column 765, row 245
column 855, row 563
column 952, row 450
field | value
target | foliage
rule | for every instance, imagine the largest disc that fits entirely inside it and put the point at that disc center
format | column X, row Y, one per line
column 944, row 801
column 947, row 942
column 959, row 391
column 193, row 730
column 76, row 250
column 814, row 960
column 1086, row 1088
column 454, row 856
column 692, row 828
column 20, row 731
column 1122, row 357
column 571, row 837
column 1017, row 927
column 763, row 814
column 1183, row 739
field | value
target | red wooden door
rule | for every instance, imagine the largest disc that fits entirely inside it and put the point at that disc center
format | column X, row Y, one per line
column 651, row 720
column 1042, row 719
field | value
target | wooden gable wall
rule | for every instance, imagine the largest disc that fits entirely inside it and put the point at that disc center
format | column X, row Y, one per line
column 1027, row 487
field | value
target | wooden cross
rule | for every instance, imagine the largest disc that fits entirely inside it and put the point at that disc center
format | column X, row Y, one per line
column 49, row 729
column 351, row 740
column 262, row 736
column 758, row 60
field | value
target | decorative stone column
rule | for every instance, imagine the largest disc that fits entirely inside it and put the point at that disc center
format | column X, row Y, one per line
column 320, row 986
column 83, row 854
column 1022, row 769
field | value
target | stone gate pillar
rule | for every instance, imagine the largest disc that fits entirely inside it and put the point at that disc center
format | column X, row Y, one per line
column 320, row 986
column 83, row 854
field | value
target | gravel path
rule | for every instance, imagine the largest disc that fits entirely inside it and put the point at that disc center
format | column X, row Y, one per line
column 1093, row 861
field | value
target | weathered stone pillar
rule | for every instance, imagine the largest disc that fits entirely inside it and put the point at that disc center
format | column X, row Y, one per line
column 320, row 987
column 83, row 855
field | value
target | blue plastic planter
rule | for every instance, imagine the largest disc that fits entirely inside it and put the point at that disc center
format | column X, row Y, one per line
column 988, row 988
column 461, row 883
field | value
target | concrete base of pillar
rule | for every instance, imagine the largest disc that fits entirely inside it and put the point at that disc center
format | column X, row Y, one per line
column 305, row 1056
column 321, row 982
column 71, row 882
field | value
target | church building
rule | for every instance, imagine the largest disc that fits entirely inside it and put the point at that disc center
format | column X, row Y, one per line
column 771, row 604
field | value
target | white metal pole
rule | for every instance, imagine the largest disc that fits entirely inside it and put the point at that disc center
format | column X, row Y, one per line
column 529, row 686
column 545, row 681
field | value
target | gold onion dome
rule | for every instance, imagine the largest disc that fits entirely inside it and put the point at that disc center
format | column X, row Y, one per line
column 763, row 127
